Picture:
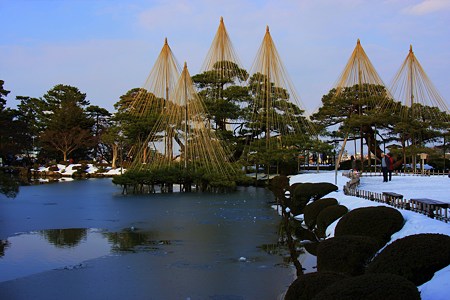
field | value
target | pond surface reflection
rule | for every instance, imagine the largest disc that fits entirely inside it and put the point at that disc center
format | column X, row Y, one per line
column 37, row 251
column 170, row 246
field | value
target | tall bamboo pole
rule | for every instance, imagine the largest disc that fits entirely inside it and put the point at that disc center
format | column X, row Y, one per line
column 186, row 144
column 413, row 142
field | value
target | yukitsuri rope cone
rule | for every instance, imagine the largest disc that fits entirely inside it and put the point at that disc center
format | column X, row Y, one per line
column 360, row 74
column 421, row 103
column 222, row 58
column 411, row 86
column 221, row 75
column 152, row 99
column 182, row 136
column 195, row 143
column 278, row 120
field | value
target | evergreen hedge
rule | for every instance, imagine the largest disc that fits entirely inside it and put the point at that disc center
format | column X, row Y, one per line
column 312, row 210
column 379, row 222
column 327, row 216
column 371, row 287
column 306, row 286
column 415, row 257
column 304, row 192
column 278, row 185
column 346, row 254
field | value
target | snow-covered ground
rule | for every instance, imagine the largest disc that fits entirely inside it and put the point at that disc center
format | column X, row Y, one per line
column 435, row 187
column 68, row 170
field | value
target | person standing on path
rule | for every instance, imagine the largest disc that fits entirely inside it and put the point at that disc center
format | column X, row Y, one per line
column 390, row 165
column 385, row 163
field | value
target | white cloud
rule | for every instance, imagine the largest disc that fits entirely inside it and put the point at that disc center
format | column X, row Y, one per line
column 427, row 7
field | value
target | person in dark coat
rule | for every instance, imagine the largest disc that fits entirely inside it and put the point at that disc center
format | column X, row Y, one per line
column 353, row 162
column 391, row 165
column 385, row 165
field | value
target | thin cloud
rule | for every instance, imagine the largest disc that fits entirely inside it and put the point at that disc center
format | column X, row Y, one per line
column 427, row 7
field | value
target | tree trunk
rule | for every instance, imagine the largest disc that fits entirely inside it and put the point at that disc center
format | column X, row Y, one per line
column 340, row 154
column 115, row 150
column 144, row 154
column 369, row 135
column 361, row 146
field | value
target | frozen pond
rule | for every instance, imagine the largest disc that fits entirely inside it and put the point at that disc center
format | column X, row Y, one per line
column 83, row 239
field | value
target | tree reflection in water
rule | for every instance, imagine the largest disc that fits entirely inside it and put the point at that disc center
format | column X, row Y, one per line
column 9, row 183
column 65, row 238
column 129, row 240
column 3, row 245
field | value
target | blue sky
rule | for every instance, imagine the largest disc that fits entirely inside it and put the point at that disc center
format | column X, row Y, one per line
column 106, row 47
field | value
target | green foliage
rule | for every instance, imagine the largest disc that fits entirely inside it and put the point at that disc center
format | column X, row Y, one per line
column 101, row 118
column 312, row 210
column 415, row 257
column 220, row 90
column 68, row 128
column 61, row 93
column 176, row 174
column 137, row 113
column 3, row 93
column 327, row 216
column 422, row 124
column 12, row 130
column 352, row 107
column 243, row 180
column 379, row 222
column 346, row 254
column 371, row 287
column 306, row 286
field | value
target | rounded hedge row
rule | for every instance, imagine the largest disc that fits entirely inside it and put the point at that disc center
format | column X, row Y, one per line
column 346, row 254
column 327, row 216
column 312, row 210
column 371, row 287
column 306, row 286
column 304, row 192
column 379, row 222
column 415, row 257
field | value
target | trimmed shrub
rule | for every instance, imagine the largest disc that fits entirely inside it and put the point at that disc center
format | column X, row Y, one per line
column 415, row 257
column 371, row 287
column 292, row 187
column 278, row 185
column 327, row 216
column 306, row 286
column 379, row 222
column 302, row 233
column 346, row 254
column 312, row 210
column 304, row 192
column 311, row 248
column 289, row 201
